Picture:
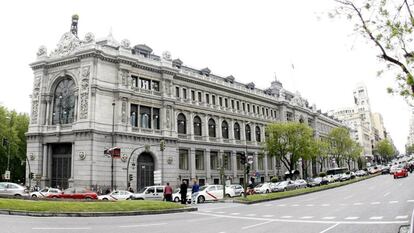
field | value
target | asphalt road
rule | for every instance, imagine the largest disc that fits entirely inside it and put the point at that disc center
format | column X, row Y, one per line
column 379, row 205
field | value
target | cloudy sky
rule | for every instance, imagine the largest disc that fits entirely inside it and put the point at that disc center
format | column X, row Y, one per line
column 252, row 42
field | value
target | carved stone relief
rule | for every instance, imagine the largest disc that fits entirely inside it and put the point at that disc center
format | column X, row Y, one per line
column 123, row 76
column 168, row 113
column 84, row 92
column 124, row 110
column 35, row 100
column 68, row 44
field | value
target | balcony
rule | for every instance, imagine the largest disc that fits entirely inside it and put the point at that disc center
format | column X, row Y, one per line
column 183, row 136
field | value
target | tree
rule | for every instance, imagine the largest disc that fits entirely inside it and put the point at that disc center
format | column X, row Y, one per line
column 409, row 149
column 385, row 149
column 389, row 25
column 353, row 153
column 320, row 152
column 289, row 142
column 339, row 144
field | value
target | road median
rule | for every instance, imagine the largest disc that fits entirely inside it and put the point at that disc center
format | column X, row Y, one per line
column 257, row 198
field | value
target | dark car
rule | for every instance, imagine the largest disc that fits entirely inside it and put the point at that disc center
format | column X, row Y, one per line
column 318, row 181
column 385, row 170
column 75, row 193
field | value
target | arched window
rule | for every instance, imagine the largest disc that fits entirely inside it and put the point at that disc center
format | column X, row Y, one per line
column 211, row 128
column 258, row 139
column 236, row 131
column 225, row 130
column 64, row 102
column 248, row 133
column 197, row 126
column 181, row 124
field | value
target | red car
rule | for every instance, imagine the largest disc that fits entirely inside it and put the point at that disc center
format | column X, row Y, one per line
column 401, row 173
column 75, row 193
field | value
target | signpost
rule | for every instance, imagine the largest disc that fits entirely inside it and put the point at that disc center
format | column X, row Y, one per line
column 7, row 175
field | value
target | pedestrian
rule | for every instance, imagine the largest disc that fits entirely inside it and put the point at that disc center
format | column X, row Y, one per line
column 183, row 192
column 168, row 192
column 130, row 189
column 194, row 190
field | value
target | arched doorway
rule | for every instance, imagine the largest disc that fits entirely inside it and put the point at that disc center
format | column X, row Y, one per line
column 145, row 170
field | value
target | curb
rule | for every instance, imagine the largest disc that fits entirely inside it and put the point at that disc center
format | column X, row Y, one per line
column 96, row 214
column 300, row 194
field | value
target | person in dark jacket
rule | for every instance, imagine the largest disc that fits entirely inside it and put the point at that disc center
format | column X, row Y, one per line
column 183, row 192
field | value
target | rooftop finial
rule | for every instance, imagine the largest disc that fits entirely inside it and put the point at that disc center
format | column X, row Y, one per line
column 74, row 25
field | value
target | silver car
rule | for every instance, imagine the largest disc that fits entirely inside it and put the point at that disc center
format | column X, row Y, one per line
column 12, row 189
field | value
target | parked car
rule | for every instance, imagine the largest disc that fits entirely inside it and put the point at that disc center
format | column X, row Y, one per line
column 285, row 186
column 12, row 189
column 301, row 183
column 318, row 181
column 150, row 193
column 263, row 188
column 234, row 190
column 395, row 168
column 209, row 193
column 45, row 192
column 361, row 173
column 329, row 178
column 117, row 195
column 385, row 170
column 401, row 173
column 176, row 196
column 337, row 177
column 345, row 177
column 75, row 193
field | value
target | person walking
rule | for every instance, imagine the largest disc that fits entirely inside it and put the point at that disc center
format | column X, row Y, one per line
column 183, row 192
column 168, row 192
column 194, row 190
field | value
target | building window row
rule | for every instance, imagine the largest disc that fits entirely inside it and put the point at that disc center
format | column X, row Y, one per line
column 145, row 117
column 145, row 83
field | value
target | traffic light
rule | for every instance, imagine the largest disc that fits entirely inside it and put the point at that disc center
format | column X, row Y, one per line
column 247, row 169
column 131, row 177
column 243, row 159
column 31, row 175
column 162, row 145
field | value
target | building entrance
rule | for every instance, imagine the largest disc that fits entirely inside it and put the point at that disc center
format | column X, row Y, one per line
column 61, row 165
column 145, row 170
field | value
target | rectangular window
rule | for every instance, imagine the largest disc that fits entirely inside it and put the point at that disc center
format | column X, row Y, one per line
column 258, row 109
column 193, row 95
column 156, row 117
column 134, row 81
column 134, row 115
column 227, row 160
column 267, row 112
column 207, row 98
column 220, row 101
column 145, row 117
column 145, row 83
column 289, row 116
column 184, row 93
column 177, row 92
column 232, row 104
column 199, row 96
column 239, row 165
column 226, row 103
column 269, row 162
column 244, row 107
column 260, row 162
column 254, row 109
column 238, row 105
column 183, row 159
column 213, row 160
column 199, row 159
column 213, row 99
column 155, row 86
column 263, row 111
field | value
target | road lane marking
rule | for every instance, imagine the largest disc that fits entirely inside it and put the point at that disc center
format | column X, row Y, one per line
column 267, row 216
column 386, row 194
column 306, row 217
column 410, row 200
column 326, row 204
column 343, row 204
column 235, row 213
column 328, row 218
column 255, row 225
column 286, row 216
column 393, row 202
column 268, row 205
column 144, row 225
column 201, row 219
column 375, row 203
column 220, row 212
column 310, row 205
column 295, row 205
column 358, row 203
column 61, row 228
column 281, row 205
column 401, row 217
column 329, row 228
column 351, row 218
column 251, row 215
column 376, row 218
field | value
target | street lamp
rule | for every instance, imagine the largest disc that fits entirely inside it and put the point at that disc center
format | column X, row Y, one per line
column 246, row 165
column 113, row 144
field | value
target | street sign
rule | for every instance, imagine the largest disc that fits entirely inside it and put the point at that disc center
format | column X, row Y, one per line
column 7, row 175
column 157, row 177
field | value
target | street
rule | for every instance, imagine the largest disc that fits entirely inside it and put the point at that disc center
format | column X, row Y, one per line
column 380, row 204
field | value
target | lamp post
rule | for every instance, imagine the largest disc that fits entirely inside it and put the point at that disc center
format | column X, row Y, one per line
column 245, row 166
column 8, row 143
column 113, row 144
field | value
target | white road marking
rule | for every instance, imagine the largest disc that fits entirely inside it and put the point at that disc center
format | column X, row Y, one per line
column 410, row 200
column 358, row 203
column 386, row 194
column 201, row 219
column 376, row 218
column 144, row 225
column 326, row 204
column 351, row 218
column 251, row 215
column 235, row 213
column 328, row 218
column 393, row 202
column 255, row 225
column 61, row 228
column 306, row 217
column 268, row 205
column 310, row 205
column 375, row 203
column 282, row 205
column 220, row 212
column 286, row 216
column 295, row 205
column 267, row 216
column 329, row 228
column 401, row 217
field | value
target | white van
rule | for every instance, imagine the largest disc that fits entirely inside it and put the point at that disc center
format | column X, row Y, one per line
column 150, row 193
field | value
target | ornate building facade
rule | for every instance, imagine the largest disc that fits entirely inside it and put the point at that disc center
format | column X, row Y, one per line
column 90, row 95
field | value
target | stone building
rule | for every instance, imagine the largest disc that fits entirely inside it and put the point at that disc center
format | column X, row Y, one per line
column 92, row 94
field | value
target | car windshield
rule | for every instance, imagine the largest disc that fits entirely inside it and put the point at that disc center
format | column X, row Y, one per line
column 283, row 183
column 259, row 185
column 142, row 190
column 202, row 188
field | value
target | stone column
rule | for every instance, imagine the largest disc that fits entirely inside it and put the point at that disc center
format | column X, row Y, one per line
column 47, row 115
column 234, row 164
column 45, row 177
column 72, row 167
column 282, row 113
column 207, row 165
column 231, row 131
column 253, row 132
column 218, row 130
column 266, row 175
column 206, row 127
column 191, row 125
column 192, row 163
column 255, row 161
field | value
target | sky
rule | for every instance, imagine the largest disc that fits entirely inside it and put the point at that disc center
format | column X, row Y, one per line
column 254, row 41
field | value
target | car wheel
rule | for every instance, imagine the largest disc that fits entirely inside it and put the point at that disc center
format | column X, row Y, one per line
column 284, row 190
column 34, row 196
column 267, row 190
column 17, row 195
column 104, row 199
column 228, row 195
column 201, row 199
column 54, row 197
column 176, row 199
column 88, row 198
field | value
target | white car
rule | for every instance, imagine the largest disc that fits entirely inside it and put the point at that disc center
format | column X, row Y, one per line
column 301, row 183
column 117, row 195
column 263, row 188
column 150, row 193
column 44, row 192
column 209, row 193
column 176, row 195
column 234, row 190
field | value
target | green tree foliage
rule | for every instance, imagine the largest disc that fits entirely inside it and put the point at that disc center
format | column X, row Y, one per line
column 409, row 149
column 389, row 25
column 289, row 142
column 13, row 127
column 339, row 144
column 353, row 153
column 385, row 149
column 320, row 152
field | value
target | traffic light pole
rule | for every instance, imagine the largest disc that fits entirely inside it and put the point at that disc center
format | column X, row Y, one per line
column 30, row 173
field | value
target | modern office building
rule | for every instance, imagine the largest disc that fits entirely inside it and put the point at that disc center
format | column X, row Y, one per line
column 93, row 94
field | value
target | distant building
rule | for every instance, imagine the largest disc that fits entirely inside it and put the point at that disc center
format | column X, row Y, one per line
column 410, row 138
column 89, row 95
